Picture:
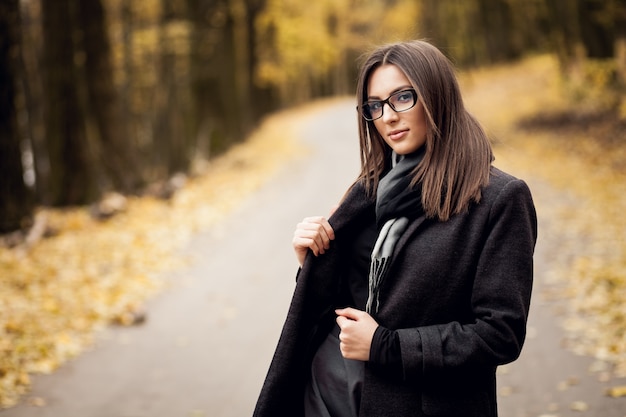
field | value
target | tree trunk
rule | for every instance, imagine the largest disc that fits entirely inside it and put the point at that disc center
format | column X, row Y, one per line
column 261, row 100
column 15, row 204
column 213, row 75
column 173, row 103
column 115, row 150
column 496, row 27
column 38, row 170
column 72, row 173
column 595, row 30
column 430, row 24
column 620, row 43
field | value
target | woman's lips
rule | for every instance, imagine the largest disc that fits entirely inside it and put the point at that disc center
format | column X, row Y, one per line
column 397, row 134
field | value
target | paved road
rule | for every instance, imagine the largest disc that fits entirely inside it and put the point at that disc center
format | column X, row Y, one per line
column 208, row 340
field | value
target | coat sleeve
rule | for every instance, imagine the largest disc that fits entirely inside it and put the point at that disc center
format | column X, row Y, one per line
column 500, row 298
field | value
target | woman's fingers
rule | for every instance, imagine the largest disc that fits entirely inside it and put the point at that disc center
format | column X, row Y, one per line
column 357, row 331
column 301, row 243
column 312, row 233
column 319, row 224
column 349, row 313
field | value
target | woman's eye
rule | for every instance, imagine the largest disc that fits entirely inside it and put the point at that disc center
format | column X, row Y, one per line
column 374, row 105
column 404, row 97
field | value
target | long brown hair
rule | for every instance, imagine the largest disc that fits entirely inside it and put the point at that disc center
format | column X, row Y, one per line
column 458, row 154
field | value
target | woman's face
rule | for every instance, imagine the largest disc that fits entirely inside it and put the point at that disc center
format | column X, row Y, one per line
column 404, row 132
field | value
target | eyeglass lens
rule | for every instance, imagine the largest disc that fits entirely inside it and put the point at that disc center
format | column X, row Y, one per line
column 399, row 102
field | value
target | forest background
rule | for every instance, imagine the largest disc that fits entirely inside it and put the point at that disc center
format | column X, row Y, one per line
column 106, row 99
column 118, row 95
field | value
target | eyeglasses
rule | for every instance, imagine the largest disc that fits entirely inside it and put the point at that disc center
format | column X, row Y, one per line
column 399, row 102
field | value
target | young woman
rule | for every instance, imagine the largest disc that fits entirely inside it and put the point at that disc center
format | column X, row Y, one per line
column 418, row 286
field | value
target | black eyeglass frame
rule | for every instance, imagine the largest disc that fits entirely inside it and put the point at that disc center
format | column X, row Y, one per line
column 364, row 108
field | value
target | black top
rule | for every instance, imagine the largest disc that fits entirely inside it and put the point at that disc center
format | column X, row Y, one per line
column 385, row 350
column 359, row 265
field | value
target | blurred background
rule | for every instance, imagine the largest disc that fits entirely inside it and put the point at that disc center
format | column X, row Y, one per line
column 101, row 95
column 115, row 106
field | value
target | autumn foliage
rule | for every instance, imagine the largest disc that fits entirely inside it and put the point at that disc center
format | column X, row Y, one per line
column 145, row 104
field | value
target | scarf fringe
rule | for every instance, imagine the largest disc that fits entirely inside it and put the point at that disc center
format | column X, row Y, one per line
column 378, row 269
column 381, row 259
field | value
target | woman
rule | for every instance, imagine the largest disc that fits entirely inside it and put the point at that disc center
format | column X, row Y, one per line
column 418, row 285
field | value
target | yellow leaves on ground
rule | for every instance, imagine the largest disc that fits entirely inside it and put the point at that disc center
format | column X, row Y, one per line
column 579, row 406
column 583, row 223
column 615, row 392
column 55, row 294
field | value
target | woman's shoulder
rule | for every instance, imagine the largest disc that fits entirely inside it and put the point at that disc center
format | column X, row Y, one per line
column 499, row 179
column 502, row 183
column 498, row 176
column 357, row 192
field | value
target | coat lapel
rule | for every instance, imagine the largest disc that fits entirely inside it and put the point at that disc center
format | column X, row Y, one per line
column 406, row 236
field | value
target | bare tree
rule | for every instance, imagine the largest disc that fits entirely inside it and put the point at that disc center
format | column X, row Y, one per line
column 620, row 41
column 172, row 135
column 116, row 153
column 213, row 75
column 72, row 169
column 15, row 202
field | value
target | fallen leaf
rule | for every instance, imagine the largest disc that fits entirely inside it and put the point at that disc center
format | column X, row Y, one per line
column 579, row 406
column 618, row 391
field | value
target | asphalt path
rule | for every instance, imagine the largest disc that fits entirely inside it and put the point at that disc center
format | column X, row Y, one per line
column 208, row 339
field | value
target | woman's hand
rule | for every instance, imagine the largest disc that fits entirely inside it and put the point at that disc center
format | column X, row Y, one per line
column 357, row 331
column 314, row 233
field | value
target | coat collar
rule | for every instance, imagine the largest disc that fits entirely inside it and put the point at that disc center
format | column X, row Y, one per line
column 355, row 202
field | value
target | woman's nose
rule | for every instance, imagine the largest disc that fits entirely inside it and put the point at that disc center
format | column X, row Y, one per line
column 389, row 114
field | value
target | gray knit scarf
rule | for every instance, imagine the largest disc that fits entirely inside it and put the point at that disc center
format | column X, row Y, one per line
column 396, row 204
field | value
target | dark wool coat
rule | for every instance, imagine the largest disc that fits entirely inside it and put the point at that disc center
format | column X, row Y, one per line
column 458, row 294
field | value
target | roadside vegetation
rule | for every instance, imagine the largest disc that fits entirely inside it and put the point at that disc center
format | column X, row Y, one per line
column 79, row 271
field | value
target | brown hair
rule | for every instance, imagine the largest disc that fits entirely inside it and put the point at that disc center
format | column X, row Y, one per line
column 457, row 155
